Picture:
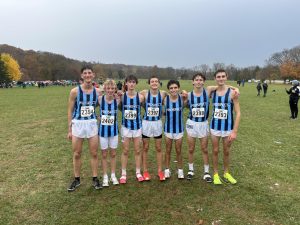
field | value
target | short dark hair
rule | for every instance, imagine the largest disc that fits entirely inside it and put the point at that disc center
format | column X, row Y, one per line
column 173, row 82
column 220, row 71
column 200, row 75
column 86, row 67
column 131, row 77
column 153, row 76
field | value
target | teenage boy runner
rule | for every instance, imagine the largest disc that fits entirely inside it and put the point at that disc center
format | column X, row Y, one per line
column 108, row 129
column 222, row 124
column 83, row 124
column 197, row 124
column 173, row 128
column 152, row 125
column 131, row 126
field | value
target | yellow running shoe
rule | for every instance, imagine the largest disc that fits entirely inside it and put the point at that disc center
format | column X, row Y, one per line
column 217, row 180
column 229, row 178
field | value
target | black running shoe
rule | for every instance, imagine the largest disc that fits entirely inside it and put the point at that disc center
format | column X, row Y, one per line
column 190, row 175
column 96, row 184
column 74, row 185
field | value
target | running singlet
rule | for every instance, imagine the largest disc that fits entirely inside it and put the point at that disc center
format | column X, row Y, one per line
column 84, row 108
column 131, row 112
column 153, row 107
column 222, row 117
column 174, row 116
column 199, row 106
column 108, row 118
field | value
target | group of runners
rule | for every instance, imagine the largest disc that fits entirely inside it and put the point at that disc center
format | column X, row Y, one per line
column 84, row 124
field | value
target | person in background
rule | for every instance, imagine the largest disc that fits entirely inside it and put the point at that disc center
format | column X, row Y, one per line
column 294, row 98
column 265, row 88
column 258, row 87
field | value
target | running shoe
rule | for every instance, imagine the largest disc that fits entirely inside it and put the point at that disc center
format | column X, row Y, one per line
column 105, row 181
column 217, row 180
column 114, row 180
column 96, row 184
column 190, row 175
column 123, row 179
column 180, row 174
column 207, row 177
column 146, row 176
column 139, row 177
column 161, row 176
column 229, row 178
column 167, row 173
column 74, row 185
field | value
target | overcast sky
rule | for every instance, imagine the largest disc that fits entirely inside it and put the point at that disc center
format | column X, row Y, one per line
column 177, row 33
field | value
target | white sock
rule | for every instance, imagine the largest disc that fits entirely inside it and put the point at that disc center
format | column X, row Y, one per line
column 138, row 170
column 105, row 175
column 124, row 172
column 180, row 170
column 191, row 166
column 167, row 170
column 206, row 168
column 113, row 175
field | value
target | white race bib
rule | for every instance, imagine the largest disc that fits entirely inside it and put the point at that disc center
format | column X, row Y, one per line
column 198, row 112
column 130, row 114
column 151, row 111
column 107, row 120
column 221, row 114
column 86, row 111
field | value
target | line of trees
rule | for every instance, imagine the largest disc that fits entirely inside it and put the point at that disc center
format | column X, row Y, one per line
column 48, row 66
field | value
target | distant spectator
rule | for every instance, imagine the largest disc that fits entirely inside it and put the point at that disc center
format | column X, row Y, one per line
column 258, row 87
column 243, row 82
column 119, row 85
column 294, row 93
column 265, row 88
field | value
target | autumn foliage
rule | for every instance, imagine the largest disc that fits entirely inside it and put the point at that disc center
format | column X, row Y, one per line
column 290, row 69
column 12, row 67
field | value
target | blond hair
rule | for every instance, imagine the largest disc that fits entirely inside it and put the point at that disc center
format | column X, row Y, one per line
column 110, row 82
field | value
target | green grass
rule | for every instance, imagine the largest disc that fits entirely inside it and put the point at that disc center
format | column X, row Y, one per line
column 36, row 168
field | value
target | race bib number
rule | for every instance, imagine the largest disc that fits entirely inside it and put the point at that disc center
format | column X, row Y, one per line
column 107, row 120
column 86, row 111
column 198, row 112
column 151, row 111
column 221, row 114
column 130, row 114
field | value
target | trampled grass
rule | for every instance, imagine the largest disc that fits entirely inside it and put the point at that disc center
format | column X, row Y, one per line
column 36, row 168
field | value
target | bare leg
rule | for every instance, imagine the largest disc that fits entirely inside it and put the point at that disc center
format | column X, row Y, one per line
column 77, row 149
column 145, row 153
column 124, row 156
column 226, row 150
column 159, row 155
column 137, row 152
column 215, row 144
column 178, row 146
column 168, row 151
column 191, row 143
column 93, row 146
column 104, row 161
column 113, row 153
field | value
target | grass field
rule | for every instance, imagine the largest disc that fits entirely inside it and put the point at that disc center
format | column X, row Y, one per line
column 36, row 168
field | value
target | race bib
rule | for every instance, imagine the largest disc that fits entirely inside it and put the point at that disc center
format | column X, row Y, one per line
column 107, row 120
column 86, row 111
column 198, row 112
column 221, row 114
column 151, row 111
column 130, row 114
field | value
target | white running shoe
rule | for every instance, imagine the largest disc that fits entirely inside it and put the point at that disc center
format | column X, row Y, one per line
column 167, row 173
column 114, row 180
column 180, row 174
column 105, row 181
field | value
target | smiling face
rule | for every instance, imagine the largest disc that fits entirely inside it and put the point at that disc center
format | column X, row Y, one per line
column 110, row 90
column 173, row 89
column 221, row 78
column 154, row 83
column 198, row 82
column 87, row 75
